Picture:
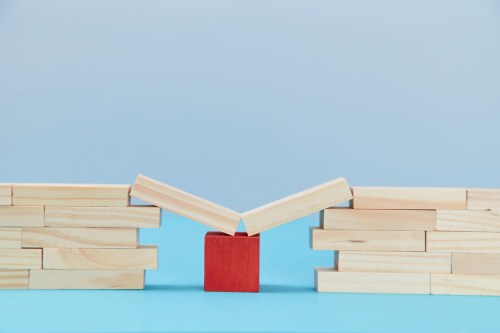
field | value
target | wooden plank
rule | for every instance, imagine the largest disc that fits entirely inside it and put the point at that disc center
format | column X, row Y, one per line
column 476, row 263
column 10, row 238
column 5, row 194
column 360, row 219
column 458, row 284
column 358, row 240
column 394, row 262
column 330, row 280
column 70, row 195
column 14, row 278
column 468, row 220
column 20, row 258
column 103, row 217
column 409, row 198
column 483, row 199
column 464, row 242
column 86, row 279
column 185, row 204
column 296, row 206
column 144, row 257
column 83, row 238
column 21, row 216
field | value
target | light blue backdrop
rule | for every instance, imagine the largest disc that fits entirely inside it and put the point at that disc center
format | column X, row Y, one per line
column 243, row 103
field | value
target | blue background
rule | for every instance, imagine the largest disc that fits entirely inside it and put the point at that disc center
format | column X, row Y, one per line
column 243, row 103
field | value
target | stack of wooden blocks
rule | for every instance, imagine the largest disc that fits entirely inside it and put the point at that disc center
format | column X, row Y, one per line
column 412, row 241
column 68, row 236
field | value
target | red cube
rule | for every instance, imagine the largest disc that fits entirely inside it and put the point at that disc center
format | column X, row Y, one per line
column 232, row 262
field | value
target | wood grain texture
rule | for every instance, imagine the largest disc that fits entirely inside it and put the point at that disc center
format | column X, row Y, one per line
column 20, row 258
column 476, row 263
column 394, row 262
column 14, row 278
column 70, row 195
column 10, row 238
column 409, row 198
column 330, row 280
column 468, row 220
column 5, row 194
column 464, row 242
column 144, row 257
column 80, row 238
column 21, row 216
column 103, row 217
column 458, row 284
column 296, row 206
column 185, row 204
column 370, row 219
column 359, row 240
column 86, row 279
column 483, row 199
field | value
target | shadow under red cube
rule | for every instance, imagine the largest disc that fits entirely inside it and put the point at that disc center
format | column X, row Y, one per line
column 232, row 262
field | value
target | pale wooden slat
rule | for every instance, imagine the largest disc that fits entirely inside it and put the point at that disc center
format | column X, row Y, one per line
column 20, row 258
column 476, row 263
column 458, row 284
column 483, row 199
column 10, row 238
column 21, row 216
column 464, row 242
column 14, row 278
column 468, row 220
column 5, row 194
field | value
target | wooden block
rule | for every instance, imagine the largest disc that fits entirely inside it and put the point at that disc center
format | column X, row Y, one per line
column 185, row 204
column 5, row 194
column 458, row 284
column 476, row 263
column 394, row 262
column 331, row 281
column 357, row 240
column 409, row 198
column 468, row 220
column 103, row 217
column 483, row 199
column 468, row 242
column 296, row 206
column 14, row 278
column 361, row 219
column 21, row 216
column 82, row 238
column 70, row 195
column 20, row 258
column 232, row 263
column 86, row 279
column 144, row 257
column 10, row 238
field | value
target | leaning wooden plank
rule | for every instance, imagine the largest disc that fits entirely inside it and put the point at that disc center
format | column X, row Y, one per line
column 332, row 281
column 144, row 257
column 70, row 195
column 20, row 258
column 467, row 220
column 483, row 199
column 103, row 217
column 83, row 238
column 358, row 240
column 5, row 194
column 14, row 278
column 394, row 262
column 296, row 206
column 21, row 216
column 465, row 242
column 476, row 263
column 458, row 284
column 86, row 279
column 372, row 219
column 185, row 204
column 10, row 238
column 409, row 198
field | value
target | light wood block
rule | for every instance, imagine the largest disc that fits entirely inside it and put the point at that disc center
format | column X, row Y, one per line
column 5, row 194
column 14, row 278
column 103, row 217
column 70, row 195
column 483, row 199
column 464, row 242
column 86, row 279
column 476, row 263
column 185, row 204
column 10, row 238
column 296, row 206
column 332, row 281
column 458, row 284
column 409, row 198
column 83, row 238
column 21, row 216
column 358, row 240
column 20, row 258
column 144, row 257
column 360, row 219
column 468, row 220
column 394, row 262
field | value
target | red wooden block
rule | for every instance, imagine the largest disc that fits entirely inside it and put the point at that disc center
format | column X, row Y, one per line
column 232, row 262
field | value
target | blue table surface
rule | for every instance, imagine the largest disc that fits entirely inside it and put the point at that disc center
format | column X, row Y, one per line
column 174, row 300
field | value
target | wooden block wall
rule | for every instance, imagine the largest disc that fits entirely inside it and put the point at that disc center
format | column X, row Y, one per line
column 5, row 194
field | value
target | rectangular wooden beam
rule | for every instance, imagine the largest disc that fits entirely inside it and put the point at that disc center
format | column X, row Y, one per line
column 476, row 263
column 483, row 199
column 20, row 258
column 10, row 238
column 458, row 284
column 14, row 278
column 468, row 220
column 5, row 194
column 21, row 216
column 464, row 242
